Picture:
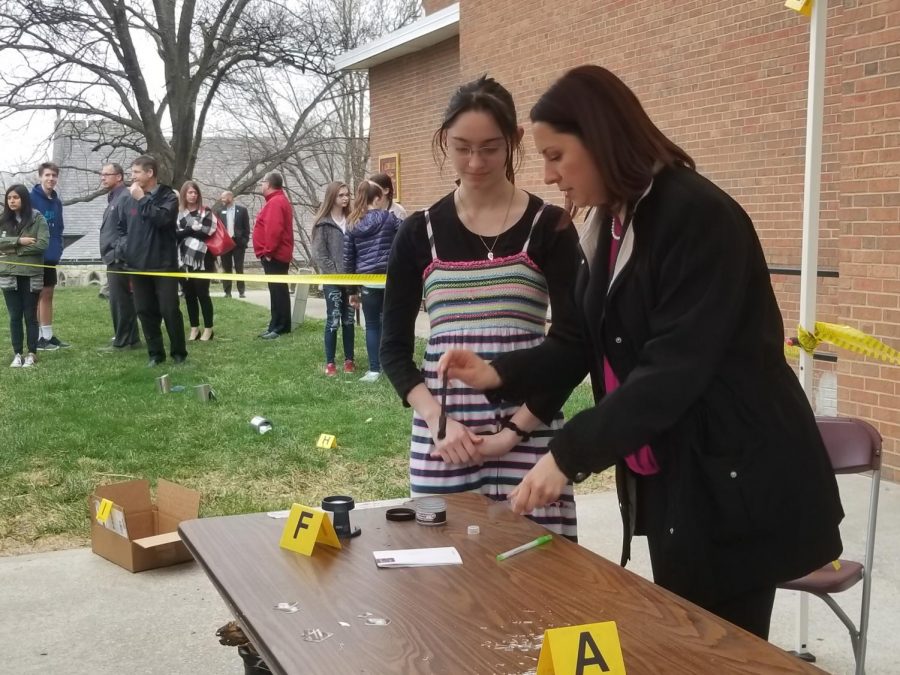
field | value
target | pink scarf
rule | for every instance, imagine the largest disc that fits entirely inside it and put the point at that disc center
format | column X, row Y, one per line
column 643, row 461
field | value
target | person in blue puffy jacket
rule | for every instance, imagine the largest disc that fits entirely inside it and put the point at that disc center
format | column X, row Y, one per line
column 367, row 247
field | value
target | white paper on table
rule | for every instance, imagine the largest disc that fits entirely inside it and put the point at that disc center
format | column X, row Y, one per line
column 418, row 557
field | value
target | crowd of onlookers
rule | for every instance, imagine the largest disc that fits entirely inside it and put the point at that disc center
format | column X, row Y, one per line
column 149, row 227
column 355, row 239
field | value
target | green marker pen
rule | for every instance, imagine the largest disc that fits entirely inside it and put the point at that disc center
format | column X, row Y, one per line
column 524, row 547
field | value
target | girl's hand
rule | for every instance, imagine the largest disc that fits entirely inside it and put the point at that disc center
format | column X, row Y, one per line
column 354, row 301
column 459, row 445
column 541, row 486
column 465, row 365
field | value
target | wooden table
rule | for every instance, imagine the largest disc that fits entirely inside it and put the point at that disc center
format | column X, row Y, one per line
column 478, row 617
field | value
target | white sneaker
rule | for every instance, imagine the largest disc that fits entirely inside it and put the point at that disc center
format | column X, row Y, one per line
column 16, row 362
column 370, row 376
column 29, row 361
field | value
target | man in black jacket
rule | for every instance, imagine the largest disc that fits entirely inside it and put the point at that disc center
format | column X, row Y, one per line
column 237, row 221
column 151, row 247
column 119, row 213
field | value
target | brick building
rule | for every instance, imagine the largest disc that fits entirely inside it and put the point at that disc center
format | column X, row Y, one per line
column 726, row 81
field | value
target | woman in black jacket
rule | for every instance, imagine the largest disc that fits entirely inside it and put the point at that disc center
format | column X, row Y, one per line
column 719, row 460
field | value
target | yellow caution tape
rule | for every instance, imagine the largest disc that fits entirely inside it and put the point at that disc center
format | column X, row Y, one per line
column 329, row 279
column 847, row 338
column 791, row 351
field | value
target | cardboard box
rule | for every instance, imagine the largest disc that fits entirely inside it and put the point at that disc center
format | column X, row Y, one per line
column 138, row 534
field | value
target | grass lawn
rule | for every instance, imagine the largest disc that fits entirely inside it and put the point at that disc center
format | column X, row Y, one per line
column 84, row 417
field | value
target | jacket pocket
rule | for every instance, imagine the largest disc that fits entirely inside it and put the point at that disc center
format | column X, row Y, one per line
column 735, row 495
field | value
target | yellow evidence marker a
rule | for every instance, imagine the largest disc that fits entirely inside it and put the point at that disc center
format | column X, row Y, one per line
column 585, row 650
column 326, row 442
column 305, row 526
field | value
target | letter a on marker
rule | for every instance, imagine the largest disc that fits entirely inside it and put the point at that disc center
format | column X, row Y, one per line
column 591, row 649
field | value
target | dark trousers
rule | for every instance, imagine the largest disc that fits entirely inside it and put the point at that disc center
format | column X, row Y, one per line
column 279, row 298
column 234, row 259
column 121, row 306
column 156, row 300
column 196, row 296
column 338, row 314
column 21, row 304
column 373, row 305
column 751, row 610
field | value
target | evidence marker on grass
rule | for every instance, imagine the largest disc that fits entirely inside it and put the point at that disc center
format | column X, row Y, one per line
column 326, row 442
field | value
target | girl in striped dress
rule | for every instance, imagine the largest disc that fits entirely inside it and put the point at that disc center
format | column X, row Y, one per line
column 488, row 259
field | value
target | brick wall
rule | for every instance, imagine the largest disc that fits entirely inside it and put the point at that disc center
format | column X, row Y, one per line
column 408, row 97
column 432, row 6
column 727, row 81
column 869, row 252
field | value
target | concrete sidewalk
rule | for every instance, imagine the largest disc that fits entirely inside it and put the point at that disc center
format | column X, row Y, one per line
column 73, row 612
column 315, row 309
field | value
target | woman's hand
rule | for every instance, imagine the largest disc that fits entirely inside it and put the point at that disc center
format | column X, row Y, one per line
column 465, row 365
column 26, row 241
column 497, row 445
column 354, row 301
column 541, row 486
column 459, row 445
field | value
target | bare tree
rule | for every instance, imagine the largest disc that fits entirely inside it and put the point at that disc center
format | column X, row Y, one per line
column 90, row 58
column 313, row 128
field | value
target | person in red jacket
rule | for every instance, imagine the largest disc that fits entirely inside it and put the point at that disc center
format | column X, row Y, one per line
column 273, row 244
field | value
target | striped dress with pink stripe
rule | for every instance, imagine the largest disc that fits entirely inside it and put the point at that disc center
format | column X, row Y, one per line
column 489, row 307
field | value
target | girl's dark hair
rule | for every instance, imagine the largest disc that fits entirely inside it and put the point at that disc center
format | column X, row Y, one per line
column 386, row 184
column 483, row 95
column 182, row 194
column 596, row 106
column 9, row 216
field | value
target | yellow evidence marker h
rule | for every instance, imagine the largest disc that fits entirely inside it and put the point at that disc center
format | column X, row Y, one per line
column 326, row 442
column 582, row 650
column 305, row 526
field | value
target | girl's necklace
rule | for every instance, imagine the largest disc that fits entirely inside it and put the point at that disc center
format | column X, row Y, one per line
column 490, row 249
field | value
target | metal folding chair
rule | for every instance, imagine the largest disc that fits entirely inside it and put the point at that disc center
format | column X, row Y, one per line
column 853, row 446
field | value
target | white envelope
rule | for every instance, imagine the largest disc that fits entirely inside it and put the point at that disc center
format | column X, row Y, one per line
column 418, row 557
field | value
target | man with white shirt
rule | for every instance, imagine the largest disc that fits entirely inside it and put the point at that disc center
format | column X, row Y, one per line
column 237, row 221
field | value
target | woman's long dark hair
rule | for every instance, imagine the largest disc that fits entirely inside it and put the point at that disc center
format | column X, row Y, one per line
column 9, row 216
column 593, row 104
column 483, row 95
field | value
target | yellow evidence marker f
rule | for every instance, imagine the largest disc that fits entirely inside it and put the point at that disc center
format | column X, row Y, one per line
column 590, row 649
column 305, row 526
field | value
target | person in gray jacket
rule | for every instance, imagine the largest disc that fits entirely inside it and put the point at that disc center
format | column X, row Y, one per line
column 121, row 208
column 328, row 254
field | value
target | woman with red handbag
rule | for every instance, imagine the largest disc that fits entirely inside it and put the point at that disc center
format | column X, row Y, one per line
column 196, row 223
